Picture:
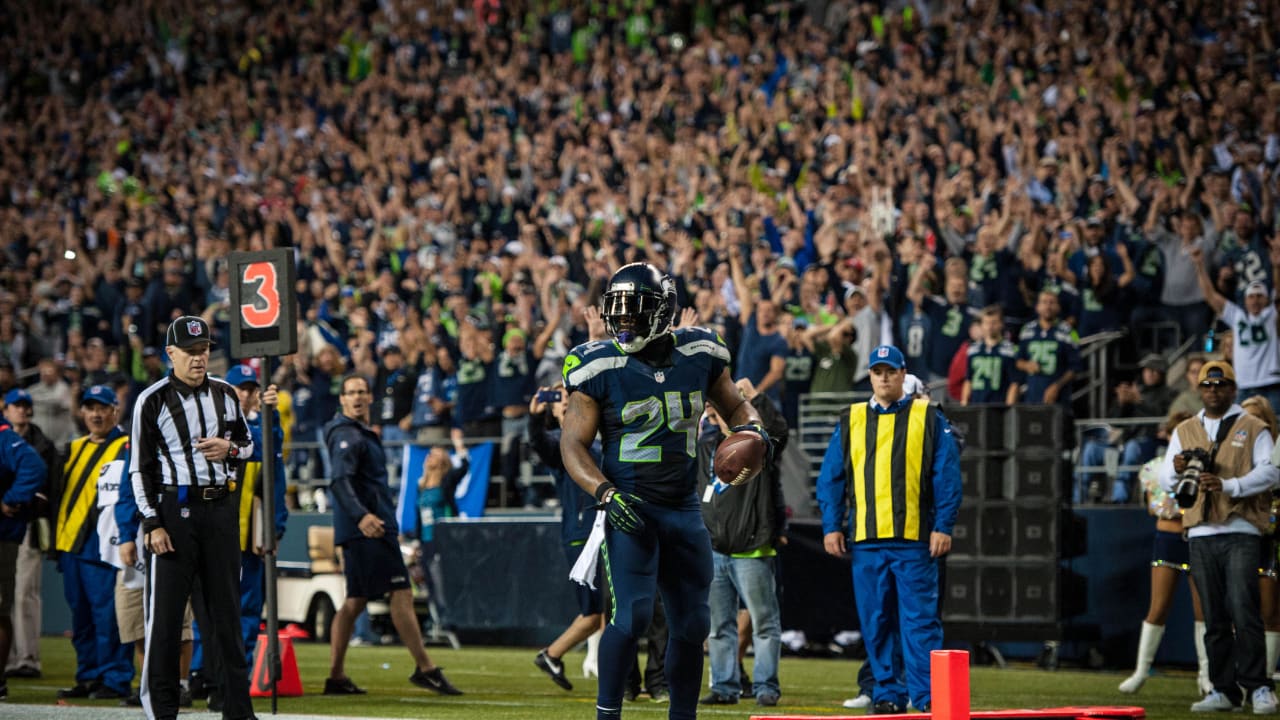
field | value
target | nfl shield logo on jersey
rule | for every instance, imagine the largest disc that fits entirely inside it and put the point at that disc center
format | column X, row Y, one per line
column 194, row 328
column 659, row 376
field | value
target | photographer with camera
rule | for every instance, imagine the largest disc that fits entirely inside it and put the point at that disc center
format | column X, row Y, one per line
column 1219, row 469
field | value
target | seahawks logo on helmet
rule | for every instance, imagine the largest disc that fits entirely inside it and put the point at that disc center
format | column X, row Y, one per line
column 639, row 305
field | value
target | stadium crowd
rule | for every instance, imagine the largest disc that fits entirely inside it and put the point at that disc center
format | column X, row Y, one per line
column 985, row 185
column 457, row 180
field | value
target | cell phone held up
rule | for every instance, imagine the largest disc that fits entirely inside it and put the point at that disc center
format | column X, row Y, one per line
column 549, row 396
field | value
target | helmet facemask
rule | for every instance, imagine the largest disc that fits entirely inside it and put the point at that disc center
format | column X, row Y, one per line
column 634, row 318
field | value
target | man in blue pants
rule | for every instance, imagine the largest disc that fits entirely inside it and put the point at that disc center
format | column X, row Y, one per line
column 245, row 381
column 22, row 473
column 891, row 479
column 644, row 392
column 104, row 665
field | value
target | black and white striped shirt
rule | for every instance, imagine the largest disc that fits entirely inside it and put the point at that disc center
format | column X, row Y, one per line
column 168, row 418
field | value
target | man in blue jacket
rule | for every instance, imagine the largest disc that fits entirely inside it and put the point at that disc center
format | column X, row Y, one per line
column 364, row 525
column 245, row 381
column 22, row 473
column 900, row 513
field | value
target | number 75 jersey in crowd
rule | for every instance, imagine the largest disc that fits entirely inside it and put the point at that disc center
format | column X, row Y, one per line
column 649, row 415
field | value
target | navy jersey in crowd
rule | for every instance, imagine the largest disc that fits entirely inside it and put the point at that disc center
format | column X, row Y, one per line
column 991, row 370
column 1248, row 258
column 513, row 381
column 1055, row 351
column 475, row 396
column 797, row 376
column 1102, row 312
column 994, row 276
column 649, row 415
column 949, row 329
column 433, row 383
column 394, row 390
column 913, row 336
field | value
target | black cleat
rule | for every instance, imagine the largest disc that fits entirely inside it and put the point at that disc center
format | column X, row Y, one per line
column 344, row 686
column 76, row 692
column 199, row 690
column 718, row 699
column 554, row 668
column 25, row 672
column 107, row 693
column 184, row 697
column 886, row 707
column 433, row 680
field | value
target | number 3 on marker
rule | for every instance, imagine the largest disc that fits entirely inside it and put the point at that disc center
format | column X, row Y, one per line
column 264, row 311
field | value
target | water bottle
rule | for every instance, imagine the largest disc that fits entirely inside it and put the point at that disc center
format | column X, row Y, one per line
column 1208, row 342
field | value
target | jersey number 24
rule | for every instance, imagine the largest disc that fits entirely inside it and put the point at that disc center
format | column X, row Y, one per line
column 652, row 413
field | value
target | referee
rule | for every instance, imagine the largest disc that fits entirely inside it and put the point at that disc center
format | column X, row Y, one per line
column 188, row 430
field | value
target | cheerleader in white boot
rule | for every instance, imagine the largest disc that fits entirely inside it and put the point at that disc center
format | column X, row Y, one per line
column 1268, row 587
column 1169, row 561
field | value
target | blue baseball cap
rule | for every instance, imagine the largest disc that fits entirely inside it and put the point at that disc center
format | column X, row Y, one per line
column 101, row 394
column 887, row 355
column 241, row 374
column 17, row 395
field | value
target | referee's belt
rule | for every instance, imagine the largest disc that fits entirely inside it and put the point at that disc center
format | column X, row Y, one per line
column 205, row 493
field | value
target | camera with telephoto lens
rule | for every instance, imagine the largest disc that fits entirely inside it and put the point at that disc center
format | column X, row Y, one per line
column 1198, row 461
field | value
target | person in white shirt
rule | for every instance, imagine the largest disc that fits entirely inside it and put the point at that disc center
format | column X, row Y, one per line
column 1226, row 505
column 1256, row 358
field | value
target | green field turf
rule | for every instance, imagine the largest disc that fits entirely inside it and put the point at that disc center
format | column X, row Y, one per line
column 502, row 683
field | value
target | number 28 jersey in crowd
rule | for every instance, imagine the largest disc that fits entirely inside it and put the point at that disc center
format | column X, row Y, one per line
column 649, row 415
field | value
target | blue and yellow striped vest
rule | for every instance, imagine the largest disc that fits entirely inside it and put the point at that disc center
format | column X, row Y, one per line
column 78, row 509
column 890, row 457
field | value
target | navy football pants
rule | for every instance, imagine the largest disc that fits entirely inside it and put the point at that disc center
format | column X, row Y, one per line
column 672, row 556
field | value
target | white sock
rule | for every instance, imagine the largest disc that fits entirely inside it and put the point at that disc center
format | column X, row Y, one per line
column 185, row 683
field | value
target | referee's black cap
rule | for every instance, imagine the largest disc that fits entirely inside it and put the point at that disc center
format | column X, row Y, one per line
column 188, row 331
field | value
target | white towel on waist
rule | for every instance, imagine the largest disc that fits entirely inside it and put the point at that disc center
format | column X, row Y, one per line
column 584, row 570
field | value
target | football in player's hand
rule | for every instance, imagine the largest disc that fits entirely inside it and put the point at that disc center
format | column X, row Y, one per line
column 740, row 457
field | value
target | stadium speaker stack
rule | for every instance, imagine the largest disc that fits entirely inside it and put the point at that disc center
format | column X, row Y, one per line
column 1005, row 570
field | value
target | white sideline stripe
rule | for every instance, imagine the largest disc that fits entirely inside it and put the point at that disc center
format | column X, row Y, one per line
column 144, row 689
column 89, row 712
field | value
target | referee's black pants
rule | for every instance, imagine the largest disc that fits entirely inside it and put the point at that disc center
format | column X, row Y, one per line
column 206, row 544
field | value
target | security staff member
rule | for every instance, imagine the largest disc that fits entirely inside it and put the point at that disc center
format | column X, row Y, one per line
column 900, row 513
column 253, row 526
column 104, row 665
column 188, row 429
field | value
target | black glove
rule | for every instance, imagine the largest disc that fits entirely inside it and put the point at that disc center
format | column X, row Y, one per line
column 768, row 444
column 620, row 508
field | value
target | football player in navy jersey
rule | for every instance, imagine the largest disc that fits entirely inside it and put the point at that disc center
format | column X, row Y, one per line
column 644, row 392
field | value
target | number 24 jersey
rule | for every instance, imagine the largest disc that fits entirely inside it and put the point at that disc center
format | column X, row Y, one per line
column 649, row 415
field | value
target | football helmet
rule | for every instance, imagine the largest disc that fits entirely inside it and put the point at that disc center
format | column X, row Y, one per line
column 639, row 305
